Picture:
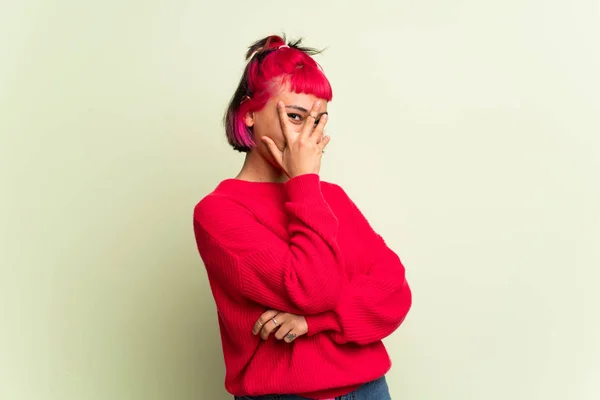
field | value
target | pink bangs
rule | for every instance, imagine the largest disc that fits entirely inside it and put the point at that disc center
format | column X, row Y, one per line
column 292, row 68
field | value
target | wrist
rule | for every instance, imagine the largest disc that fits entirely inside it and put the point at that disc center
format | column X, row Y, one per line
column 326, row 321
column 295, row 174
column 304, row 187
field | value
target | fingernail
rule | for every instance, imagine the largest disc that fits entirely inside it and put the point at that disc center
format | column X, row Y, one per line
column 280, row 103
column 318, row 103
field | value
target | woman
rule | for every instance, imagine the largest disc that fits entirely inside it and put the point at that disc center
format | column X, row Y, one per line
column 305, row 289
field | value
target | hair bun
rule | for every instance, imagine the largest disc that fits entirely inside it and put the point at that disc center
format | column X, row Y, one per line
column 272, row 42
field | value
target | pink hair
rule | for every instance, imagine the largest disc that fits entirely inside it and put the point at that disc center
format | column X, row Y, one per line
column 272, row 65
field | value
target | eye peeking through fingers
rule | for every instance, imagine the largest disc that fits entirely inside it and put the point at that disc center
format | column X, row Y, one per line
column 296, row 118
column 299, row 119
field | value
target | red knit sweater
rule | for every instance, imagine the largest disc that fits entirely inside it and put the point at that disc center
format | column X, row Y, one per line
column 301, row 247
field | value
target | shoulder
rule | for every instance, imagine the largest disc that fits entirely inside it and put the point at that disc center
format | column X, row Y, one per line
column 222, row 223
column 221, row 214
column 216, row 209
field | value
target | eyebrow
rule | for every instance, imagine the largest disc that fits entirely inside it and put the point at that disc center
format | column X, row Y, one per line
column 303, row 109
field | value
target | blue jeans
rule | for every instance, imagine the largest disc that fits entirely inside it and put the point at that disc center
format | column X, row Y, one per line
column 376, row 390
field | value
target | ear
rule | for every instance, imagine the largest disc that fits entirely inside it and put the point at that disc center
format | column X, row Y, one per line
column 249, row 119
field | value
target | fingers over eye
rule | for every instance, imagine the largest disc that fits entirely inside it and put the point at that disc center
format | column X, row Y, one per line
column 309, row 123
column 318, row 132
column 283, row 117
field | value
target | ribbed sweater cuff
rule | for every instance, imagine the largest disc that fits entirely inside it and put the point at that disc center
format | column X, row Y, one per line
column 322, row 322
column 303, row 188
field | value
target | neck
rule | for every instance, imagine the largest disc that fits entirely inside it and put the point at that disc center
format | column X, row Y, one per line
column 257, row 169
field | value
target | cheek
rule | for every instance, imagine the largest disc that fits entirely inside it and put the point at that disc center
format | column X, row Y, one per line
column 269, row 127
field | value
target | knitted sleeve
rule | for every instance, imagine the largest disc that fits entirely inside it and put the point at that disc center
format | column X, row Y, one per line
column 376, row 301
column 301, row 275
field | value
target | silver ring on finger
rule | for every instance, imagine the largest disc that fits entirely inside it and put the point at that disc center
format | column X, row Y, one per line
column 274, row 322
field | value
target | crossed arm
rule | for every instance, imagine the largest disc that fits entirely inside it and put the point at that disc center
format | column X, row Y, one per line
column 371, row 306
column 284, row 276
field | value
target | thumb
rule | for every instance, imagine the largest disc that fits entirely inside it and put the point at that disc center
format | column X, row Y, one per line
column 275, row 152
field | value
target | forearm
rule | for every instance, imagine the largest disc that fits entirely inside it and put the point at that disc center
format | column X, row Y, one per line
column 371, row 308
